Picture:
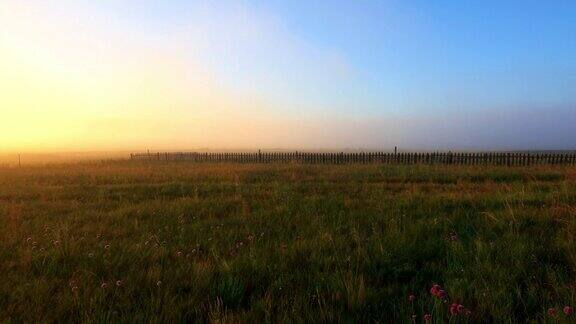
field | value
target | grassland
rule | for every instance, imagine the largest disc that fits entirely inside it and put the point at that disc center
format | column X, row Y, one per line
column 173, row 242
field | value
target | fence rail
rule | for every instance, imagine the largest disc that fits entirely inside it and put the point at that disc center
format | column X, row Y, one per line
column 508, row 159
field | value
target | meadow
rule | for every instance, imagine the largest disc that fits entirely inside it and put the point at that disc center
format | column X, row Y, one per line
column 128, row 241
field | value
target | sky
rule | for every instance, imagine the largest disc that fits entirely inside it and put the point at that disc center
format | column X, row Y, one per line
column 80, row 75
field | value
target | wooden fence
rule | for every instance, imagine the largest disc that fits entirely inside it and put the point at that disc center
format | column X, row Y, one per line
column 508, row 159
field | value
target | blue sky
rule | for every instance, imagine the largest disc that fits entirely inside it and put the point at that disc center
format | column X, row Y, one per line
column 288, row 74
column 433, row 54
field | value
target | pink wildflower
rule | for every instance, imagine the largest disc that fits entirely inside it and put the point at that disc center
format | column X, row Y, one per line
column 460, row 308
column 552, row 311
column 454, row 309
column 434, row 290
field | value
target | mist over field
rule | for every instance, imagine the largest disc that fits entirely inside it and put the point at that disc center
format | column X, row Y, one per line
column 518, row 130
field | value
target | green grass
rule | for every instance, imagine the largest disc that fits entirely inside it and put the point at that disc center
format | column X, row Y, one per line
column 285, row 243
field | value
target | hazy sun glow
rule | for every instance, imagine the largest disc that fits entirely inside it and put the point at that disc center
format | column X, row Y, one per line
column 73, row 84
column 98, row 75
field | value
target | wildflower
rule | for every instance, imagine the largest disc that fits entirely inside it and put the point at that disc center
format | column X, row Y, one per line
column 454, row 309
column 159, row 283
column 460, row 308
column 411, row 298
column 178, row 253
column 119, row 283
column 107, row 246
column 453, row 237
column 56, row 242
column 552, row 311
column 90, row 255
column 568, row 310
column 427, row 318
column 28, row 240
column 441, row 293
column 104, row 285
column 434, row 290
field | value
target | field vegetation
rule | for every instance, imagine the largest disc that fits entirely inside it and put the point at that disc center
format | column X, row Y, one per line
column 175, row 242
